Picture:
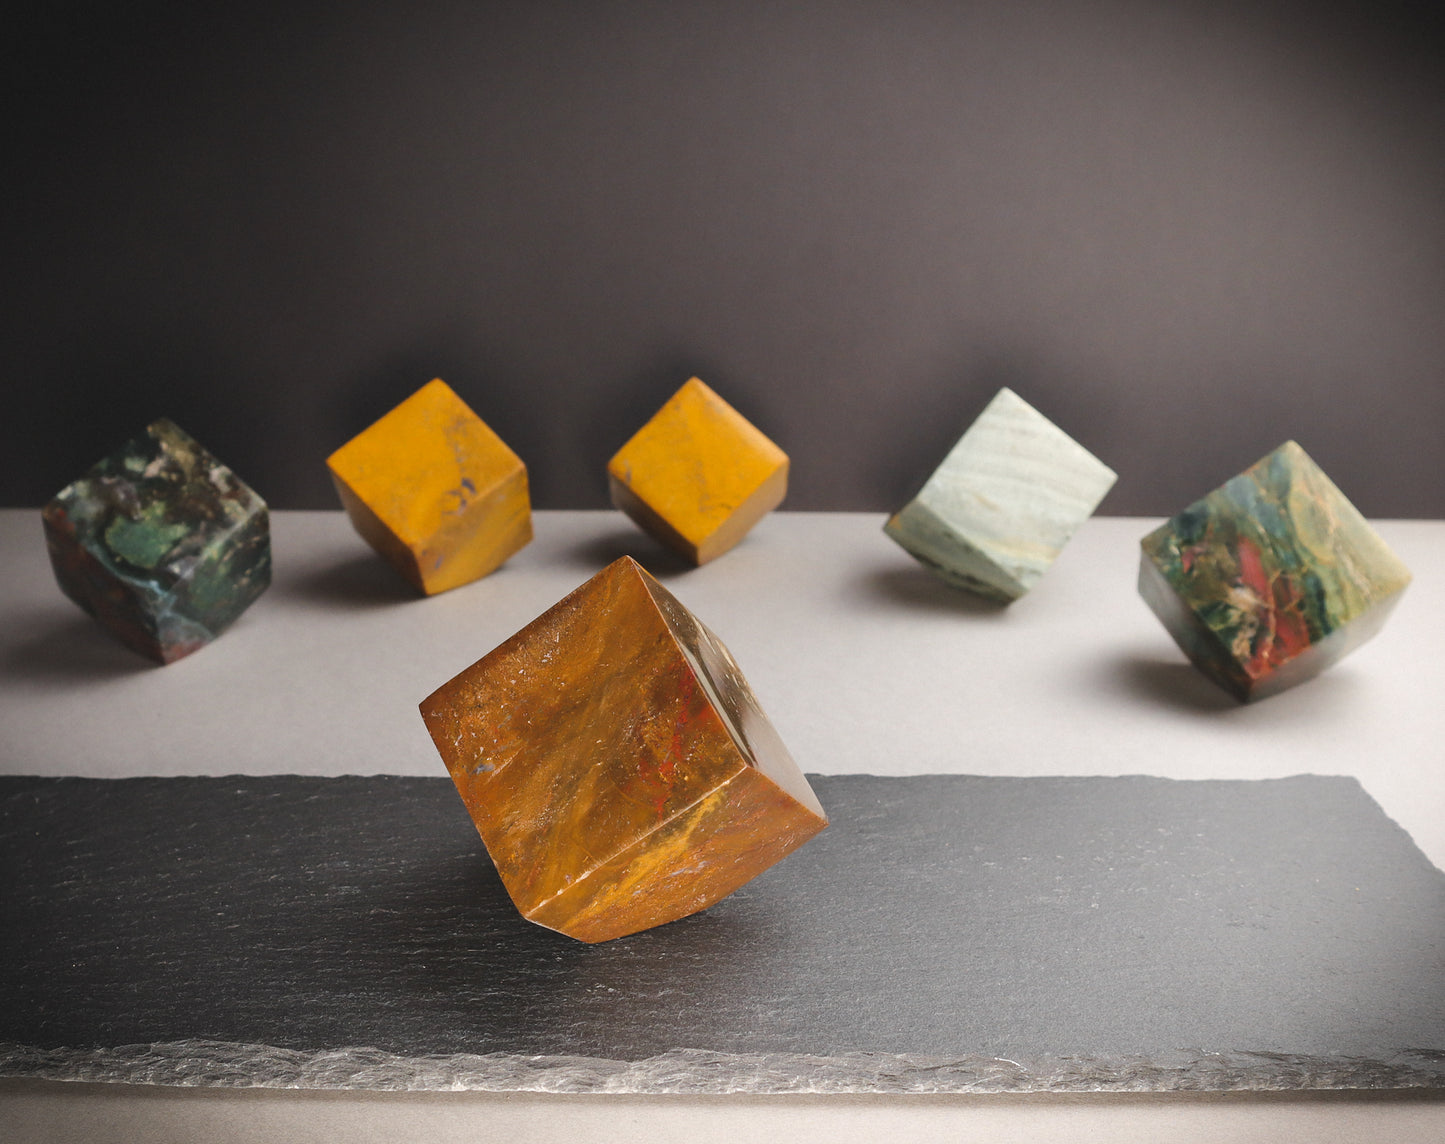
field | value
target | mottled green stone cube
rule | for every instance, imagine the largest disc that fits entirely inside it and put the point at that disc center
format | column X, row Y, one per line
column 1270, row 578
column 161, row 543
column 997, row 512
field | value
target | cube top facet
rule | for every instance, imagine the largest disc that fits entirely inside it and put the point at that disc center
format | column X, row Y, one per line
column 616, row 764
column 1270, row 578
column 161, row 542
column 1006, row 499
column 433, row 489
column 698, row 475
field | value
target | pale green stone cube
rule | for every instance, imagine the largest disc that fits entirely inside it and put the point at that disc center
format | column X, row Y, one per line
column 1004, row 502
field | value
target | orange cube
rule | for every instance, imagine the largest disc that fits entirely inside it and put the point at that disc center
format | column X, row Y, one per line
column 434, row 490
column 698, row 475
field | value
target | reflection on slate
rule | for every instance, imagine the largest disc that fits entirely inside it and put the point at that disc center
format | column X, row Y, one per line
column 946, row 933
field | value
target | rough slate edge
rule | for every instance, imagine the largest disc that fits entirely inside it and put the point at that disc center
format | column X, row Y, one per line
column 218, row 1064
column 221, row 1064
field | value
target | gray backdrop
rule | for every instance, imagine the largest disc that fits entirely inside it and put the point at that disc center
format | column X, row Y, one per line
column 1185, row 231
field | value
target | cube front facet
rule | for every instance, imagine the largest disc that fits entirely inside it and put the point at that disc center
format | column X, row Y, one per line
column 161, row 543
column 698, row 475
column 998, row 511
column 1270, row 578
column 435, row 491
column 616, row 764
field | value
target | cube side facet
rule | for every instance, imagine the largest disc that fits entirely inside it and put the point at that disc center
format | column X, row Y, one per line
column 948, row 554
column 375, row 531
column 642, row 515
column 230, row 574
column 722, row 680
column 1199, row 642
column 689, row 862
column 762, row 500
column 488, row 531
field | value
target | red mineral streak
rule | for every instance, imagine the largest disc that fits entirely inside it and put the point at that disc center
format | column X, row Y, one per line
column 1251, row 570
column 686, row 712
column 1292, row 633
column 1283, row 631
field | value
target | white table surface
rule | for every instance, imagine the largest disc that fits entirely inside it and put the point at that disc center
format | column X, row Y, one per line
column 863, row 661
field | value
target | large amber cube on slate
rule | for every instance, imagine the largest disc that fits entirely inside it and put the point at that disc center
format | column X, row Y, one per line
column 616, row 764
column 1270, row 578
column 160, row 542
column 433, row 489
column 698, row 475
column 998, row 510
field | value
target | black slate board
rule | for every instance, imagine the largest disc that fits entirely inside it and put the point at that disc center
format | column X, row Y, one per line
column 945, row 933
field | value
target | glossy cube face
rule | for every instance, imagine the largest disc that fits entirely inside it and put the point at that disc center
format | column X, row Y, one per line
column 698, row 475
column 998, row 511
column 616, row 764
column 162, row 543
column 434, row 490
column 1270, row 578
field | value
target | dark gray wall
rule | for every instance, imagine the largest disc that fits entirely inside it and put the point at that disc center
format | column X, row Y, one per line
column 1185, row 231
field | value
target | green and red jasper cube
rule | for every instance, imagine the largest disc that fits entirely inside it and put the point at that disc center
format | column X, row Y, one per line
column 1271, row 578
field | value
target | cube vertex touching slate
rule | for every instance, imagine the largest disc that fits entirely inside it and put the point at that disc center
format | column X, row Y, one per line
column 616, row 764
column 435, row 491
column 1271, row 578
column 698, row 475
column 160, row 542
column 999, row 509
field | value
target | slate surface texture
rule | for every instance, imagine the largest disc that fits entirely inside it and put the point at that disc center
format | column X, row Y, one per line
column 945, row 933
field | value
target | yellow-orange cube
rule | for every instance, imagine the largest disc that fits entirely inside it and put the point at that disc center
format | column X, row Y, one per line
column 698, row 475
column 434, row 490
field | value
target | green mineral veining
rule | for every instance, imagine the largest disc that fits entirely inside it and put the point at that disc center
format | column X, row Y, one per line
column 161, row 542
column 145, row 539
column 1271, row 577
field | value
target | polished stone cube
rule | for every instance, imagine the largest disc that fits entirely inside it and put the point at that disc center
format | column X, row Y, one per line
column 616, row 763
column 161, row 543
column 435, row 491
column 698, row 475
column 1270, row 578
column 998, row 511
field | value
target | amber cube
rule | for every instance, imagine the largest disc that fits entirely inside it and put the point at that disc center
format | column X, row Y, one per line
column 698, row 475
column 434, row 490
column 616, row 764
